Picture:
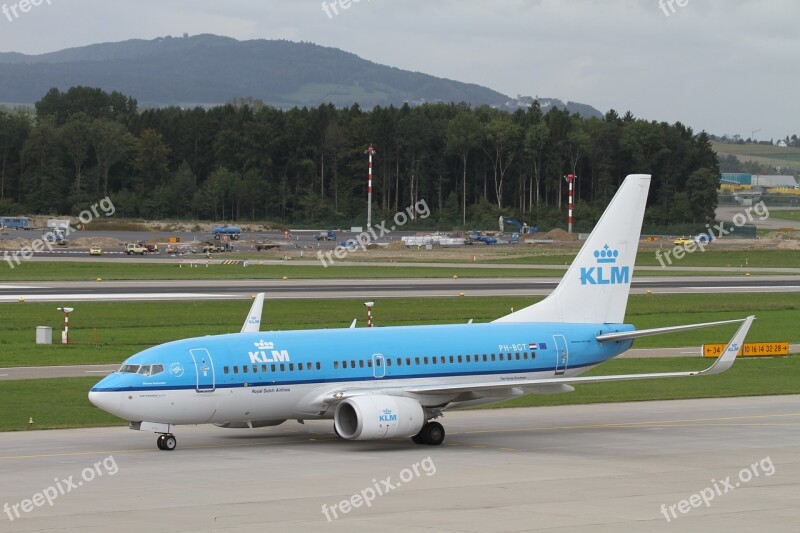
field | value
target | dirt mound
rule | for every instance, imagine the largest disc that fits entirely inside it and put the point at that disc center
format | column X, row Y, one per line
column 559, row 234
column 103, row 242
column 14, row 244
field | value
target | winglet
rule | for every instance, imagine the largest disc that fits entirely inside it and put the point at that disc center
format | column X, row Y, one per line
column 725, row 361
column 253, row 322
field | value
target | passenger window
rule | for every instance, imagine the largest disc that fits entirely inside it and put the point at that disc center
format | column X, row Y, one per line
column 425, row 360
column 501, row 357
column 408, row 361
column 225, row 369
column 433, row 359
column 255, row 369
column 299, row 367
column 244, row 369
column 492, row 357
column 264, row 369
column 459, row 358
column 533, row 355
column 369, row 363
column 283, row 367
column 352, row 363
column 477, row 359
column 468, row 359
column 451, row 359
column 361, row 363
column 399, row 361
column 388, row 362
column 319, row 366
column 273, row 367
column 517, row 356
column 378, row 361
column 336, row 365
column 484, row 358
column 236, row 370
column 416, row 360
column 291, row 367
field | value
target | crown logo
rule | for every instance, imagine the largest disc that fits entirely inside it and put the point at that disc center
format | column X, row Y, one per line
column 263, row 345
column 606, row 255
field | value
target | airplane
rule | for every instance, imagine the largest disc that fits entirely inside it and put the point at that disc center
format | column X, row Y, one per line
column 394, row 382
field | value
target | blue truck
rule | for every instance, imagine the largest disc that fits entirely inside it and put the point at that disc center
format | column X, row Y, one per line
column 234, row 232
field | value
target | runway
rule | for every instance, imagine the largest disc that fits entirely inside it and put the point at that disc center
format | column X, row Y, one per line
column 369, row 288
column 606, row 467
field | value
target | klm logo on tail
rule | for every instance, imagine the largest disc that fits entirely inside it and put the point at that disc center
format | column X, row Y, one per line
column 606, row 273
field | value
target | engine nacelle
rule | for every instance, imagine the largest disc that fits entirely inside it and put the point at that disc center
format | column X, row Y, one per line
column 378, row 417
column 252, row 424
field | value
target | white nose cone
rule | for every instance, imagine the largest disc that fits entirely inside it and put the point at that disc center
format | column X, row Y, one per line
column 107, row 401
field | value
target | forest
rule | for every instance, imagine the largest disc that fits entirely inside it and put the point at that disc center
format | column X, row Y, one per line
column 248, row 162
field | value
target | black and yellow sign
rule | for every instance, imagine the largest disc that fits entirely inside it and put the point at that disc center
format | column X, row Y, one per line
column 750, row 349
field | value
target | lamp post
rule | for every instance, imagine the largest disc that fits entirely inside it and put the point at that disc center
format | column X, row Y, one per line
column 370, row 151
column 65, row 334
column 369, row 313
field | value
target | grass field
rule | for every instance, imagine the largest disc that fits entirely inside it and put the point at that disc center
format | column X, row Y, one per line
column 91, row 271
column 760, row 153
column 786, row 215
column 109, row 332
column 710, row 258
column 62, row 403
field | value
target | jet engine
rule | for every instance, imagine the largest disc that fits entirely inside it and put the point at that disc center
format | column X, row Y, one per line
column 377, row 416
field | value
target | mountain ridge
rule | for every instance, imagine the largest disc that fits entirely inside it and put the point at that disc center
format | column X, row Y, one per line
column 211, row 70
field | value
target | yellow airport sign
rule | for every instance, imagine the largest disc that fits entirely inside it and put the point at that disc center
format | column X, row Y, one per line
column 750, row 349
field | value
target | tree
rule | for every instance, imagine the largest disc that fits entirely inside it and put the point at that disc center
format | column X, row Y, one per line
column 75, row 136
column 502, row 139
column 111, row 142
column 463, row 134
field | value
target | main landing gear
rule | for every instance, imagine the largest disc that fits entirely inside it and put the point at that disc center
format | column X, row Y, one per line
column 167, row 442
column 431, row 433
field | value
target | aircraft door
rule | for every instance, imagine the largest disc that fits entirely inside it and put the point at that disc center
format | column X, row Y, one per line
column 204, row 368
column 378, row 365
column 562, row 354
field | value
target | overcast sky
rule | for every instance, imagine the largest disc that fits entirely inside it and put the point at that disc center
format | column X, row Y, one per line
column 724, row 66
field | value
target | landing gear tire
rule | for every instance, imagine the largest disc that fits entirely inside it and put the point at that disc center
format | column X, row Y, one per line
column 431, row 433
column 167, row 442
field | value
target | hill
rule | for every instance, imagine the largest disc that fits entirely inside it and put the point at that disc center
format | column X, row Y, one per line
column 763, row 154
column 209, row 70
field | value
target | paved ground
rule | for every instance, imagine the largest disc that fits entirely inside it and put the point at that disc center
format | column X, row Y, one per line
column 607, row 467
column 374, row 288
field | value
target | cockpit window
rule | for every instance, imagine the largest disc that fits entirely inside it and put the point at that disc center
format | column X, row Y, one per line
column 144, row 370
column 150, row 370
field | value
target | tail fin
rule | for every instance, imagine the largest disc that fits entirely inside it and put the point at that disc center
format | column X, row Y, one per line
column 253, row 322
column 596, row 286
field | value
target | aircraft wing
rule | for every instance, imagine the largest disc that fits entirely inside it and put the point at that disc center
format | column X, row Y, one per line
column 723, row 363
column 253, row 322
column 622, row 335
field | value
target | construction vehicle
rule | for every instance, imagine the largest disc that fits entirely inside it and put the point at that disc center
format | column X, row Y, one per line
column 521, row 226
